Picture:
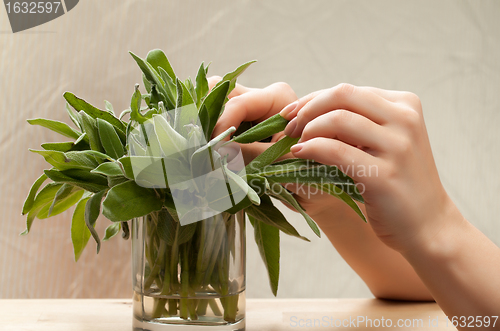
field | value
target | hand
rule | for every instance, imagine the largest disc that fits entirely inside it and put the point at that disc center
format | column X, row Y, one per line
column 253, row 105
column 378, row 138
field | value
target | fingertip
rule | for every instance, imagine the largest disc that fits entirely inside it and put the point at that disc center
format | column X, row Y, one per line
column 290, row 128
column 289, row 111
column 296, row 149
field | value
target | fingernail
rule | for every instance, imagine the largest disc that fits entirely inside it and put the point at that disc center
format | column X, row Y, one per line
column 296, row 148
column 288, row 109
column 290, row 127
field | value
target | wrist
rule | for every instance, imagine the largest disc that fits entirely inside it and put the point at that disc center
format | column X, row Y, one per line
column 439, row 238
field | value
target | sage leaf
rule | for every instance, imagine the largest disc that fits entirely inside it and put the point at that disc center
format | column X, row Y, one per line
column 202, row 87
column 267, row 238
column 61, row 178
column 80, row 234
column 110, row 140
column 269, row 214
column 263, row 130
column 92, row 211
column 339, row 193
column 112, row 230
column 242, row 184
column 75, row 118
column 82, row 105
column 190, row 87
column 28, row 203
column 170, row 230
column 276, row 150
column 170, row 88
column 150, row 73
column 171, row 141
column 63, row 162
column 185, row 111
column 108, row 169
column 232, row 76
column 213, row 103
column 61, row 205
column 56, row 126
column 109, row 107
column 281, row 193
column 90, row 127
column 62, row 193
column 44, row 197
column 157, row 58
column 129, row 200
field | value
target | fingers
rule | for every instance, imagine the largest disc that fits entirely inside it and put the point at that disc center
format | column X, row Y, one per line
column 344, row 96
column 349, row 127
column 255, row 105
column 338, row 153
column 290, row 111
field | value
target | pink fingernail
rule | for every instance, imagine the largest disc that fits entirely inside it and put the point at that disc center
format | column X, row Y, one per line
column 288, row 109
column 296, row 148
column 290, row 127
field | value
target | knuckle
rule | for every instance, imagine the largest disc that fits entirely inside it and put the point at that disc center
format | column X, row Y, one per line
column 284, row 88
column 340, row 117
column 411, row 119
column 339, row 149
column 343, row 91
column 402, row 146
column 412, row 100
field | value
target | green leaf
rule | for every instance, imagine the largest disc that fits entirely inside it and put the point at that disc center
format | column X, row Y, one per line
column 82, row 105
column 339, row 193
column 44, row 197
column 263, row 130
column 170, row 88
column 86, row 180
column 108, row 169
column 28, row 203
column 170, row 230
column 75, row 118
column 281, row 193
column 171, row 141
column 213, row 103
column 112, row 230
column 267, row 238
column 110, row 140
column 56, row 126
column 62, row 193
column 186, row 111
column 80, row 234
column 232, row 76
column 135, row 106
column 62, row 161
column 151, row 74
column 61, row 205
column 92, row 211
column 157, row 58
column 109, row 107
column 277, row 150
column 90, row 127
column 269, row 214
column 190, row 87
column 202, row 87
column 129, row 200
column 241, row 183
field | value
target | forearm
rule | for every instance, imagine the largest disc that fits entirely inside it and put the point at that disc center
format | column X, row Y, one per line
column 460, row 266
column 385, row 271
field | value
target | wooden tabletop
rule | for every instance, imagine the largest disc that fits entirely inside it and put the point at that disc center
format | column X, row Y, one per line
column 261, row 314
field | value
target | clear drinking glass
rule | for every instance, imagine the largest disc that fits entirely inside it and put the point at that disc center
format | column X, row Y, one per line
column 188, row 277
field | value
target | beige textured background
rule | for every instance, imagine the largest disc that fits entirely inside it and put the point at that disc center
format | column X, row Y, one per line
column 445, row 51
